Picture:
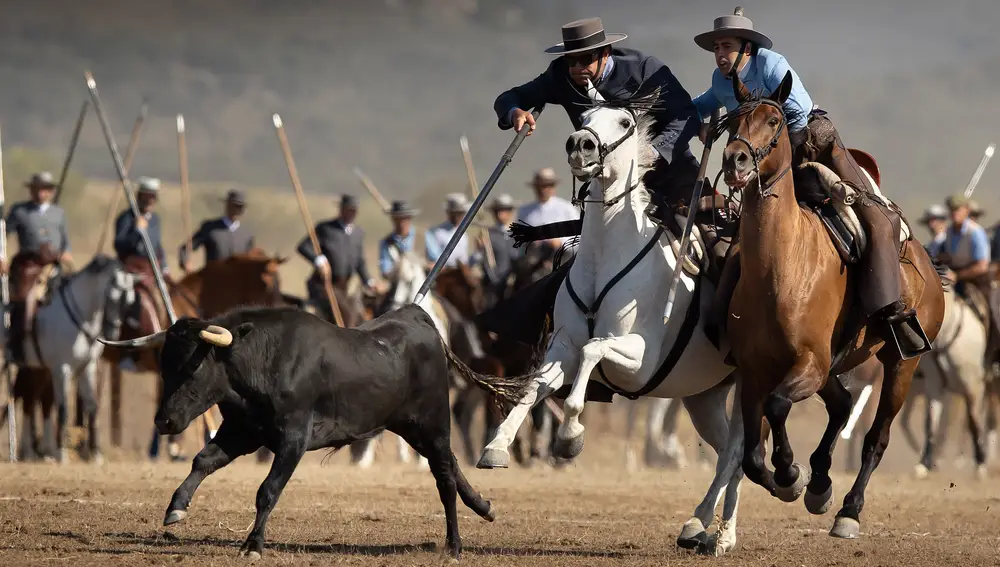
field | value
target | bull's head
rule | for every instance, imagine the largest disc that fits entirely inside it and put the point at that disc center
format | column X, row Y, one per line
column 193, row 366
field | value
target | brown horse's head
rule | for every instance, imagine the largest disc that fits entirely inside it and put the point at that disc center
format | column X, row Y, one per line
column 462, row 289
column 242, row 279
column 758, row 147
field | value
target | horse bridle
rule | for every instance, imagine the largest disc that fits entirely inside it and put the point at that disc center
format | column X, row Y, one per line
column 603, row 151
column 760, row 154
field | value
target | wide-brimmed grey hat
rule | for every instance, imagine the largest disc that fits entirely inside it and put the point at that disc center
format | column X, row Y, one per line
column 456, row 203
column 584, row 35
column 402, row 209
column 975, row 209
column 41, row 179
column 150, row 185
column 736, row 25
column 502, row 202
column 545, row 176
column 934, row 212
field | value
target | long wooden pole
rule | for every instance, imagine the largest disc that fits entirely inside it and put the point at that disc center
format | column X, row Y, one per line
column 133, row 145
column 182, row 157
column 73, row 141
column 5, row 297
column 382, row 202
column 491, row 259
column 294, row 175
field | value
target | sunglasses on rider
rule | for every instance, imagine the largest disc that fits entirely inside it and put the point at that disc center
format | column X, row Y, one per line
column 582, row 59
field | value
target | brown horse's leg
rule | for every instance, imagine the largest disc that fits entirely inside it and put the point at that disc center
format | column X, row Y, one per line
column 753, row 439
column 897, row 375
column 805, row 379
column 839, row 402
column 115, row 377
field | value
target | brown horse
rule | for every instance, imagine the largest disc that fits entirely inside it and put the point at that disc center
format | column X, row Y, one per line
column 795, row 319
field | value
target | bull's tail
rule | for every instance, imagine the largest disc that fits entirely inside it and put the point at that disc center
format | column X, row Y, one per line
column 508, row 390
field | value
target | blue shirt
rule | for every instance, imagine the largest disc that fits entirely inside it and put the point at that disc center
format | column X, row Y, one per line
column 385, row 261
column 979, row 242
column 763, row 73
column 438, row 237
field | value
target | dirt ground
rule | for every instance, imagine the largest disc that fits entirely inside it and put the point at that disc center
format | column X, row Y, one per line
column 591, row 513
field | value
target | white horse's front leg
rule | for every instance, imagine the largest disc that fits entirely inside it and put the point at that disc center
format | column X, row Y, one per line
column 623, row 352
column 560, row 360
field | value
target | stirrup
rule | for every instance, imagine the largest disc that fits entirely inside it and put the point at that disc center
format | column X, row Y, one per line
column 909, row 319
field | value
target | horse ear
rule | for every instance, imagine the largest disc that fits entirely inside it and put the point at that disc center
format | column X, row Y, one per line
column 740, row 90
column 780, row 95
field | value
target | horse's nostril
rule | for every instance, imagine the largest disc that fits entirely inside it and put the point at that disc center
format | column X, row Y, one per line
column 589, row 145
column 742, row 158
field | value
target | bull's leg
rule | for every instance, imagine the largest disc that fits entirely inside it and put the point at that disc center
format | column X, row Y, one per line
column 819, row 492
column 115, row 378
column 434, row 444
column 230, row 442
column 560, row 359
column 287, row 455
column 895, row 386
column 725, row 435
column 803, row 380
column 623, row 352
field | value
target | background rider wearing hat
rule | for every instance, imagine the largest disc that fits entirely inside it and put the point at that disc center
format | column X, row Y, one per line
column 402, row 236
column 586, row 56
column 42, row 241
column 740, row 48
column 504, row 252
column 341, row 244
column 222, row 237
column 936, row 220
column 548, row 207
column 436, row 238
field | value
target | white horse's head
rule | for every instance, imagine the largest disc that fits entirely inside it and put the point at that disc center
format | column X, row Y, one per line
column 613, row 144
column 406, row 278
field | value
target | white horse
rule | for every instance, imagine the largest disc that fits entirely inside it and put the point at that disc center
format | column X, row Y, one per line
column 405, row 281
column 87, row 304
column 662, row 447
column 609, row 312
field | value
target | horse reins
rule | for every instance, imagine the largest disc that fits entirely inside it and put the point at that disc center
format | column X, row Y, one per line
column 603, row 150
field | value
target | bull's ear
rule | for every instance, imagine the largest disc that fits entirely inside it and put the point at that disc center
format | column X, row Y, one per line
column 243, row 330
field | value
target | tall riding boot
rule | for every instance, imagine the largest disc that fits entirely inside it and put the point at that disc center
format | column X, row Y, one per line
column 879, row 286
column 716, row 321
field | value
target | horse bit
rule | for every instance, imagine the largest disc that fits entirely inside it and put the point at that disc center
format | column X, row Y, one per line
column 603, row 150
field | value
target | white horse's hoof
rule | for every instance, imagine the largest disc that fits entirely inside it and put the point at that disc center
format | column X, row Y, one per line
column 97, row 459
column 793, row 492
column 846, row 528
column 175, row 516
column 981, row 472
column 493, row 459
column 819, row 504
column 64, row 456
column 693, row 535
column 722, row 541
column 568, row 448
column 921, row 472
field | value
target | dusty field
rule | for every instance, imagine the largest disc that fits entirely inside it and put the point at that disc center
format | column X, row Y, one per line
column 587, row 515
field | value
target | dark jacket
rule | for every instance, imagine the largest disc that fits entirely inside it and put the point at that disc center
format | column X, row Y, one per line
column 219, row 242
column 676, row 119
column 128, row 241
column 36, row 229
column 345, row 252
column 504, row 253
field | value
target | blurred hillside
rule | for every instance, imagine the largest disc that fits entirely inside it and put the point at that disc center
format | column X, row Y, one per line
column 390, row 85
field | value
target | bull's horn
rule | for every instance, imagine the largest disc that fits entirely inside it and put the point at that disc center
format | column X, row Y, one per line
column 216, row 335
column 154, row 340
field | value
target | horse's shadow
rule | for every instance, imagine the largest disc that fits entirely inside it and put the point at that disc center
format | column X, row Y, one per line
column 160, row 542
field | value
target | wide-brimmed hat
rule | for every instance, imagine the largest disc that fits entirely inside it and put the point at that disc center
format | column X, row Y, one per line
column 736, row 25
column 456, row 203
column 236, row 197
column 149, row 185
column 402, row 209
column 544, row 176
column 502, row 202
column 957, row 200
column 934, row 212
column 41, row 179
column 584, row 35
column 975, row 209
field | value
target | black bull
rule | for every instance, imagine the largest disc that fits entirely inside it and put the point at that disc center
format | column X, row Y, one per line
column 291, row 382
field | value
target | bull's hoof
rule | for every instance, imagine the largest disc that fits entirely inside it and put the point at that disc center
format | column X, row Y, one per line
column 491, row 513
column 175, row 516
column 793, row 492
column 693, row 535
column 568, row 448
column 846, row 528
column 252, row 556
column 819, row 504
column 493, row 459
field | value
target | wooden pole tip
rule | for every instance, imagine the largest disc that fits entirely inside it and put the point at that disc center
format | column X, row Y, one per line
column 91, row 83
column 277, row 120
column 465, row 143
column 180, row 123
